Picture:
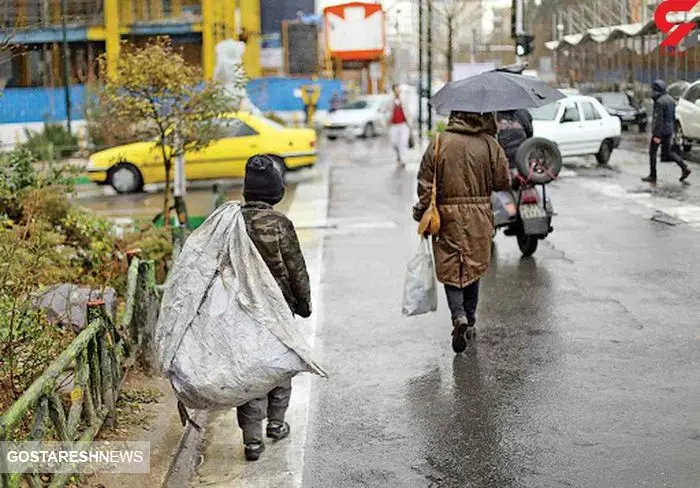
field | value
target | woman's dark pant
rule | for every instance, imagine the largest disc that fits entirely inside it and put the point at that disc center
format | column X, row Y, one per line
column 463, row 301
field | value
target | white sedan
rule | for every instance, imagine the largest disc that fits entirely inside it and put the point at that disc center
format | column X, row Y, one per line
column 365, row 117
column 688, row 117
column 580, row 126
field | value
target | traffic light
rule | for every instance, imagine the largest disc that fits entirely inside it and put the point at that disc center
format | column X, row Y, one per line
column 524, row 44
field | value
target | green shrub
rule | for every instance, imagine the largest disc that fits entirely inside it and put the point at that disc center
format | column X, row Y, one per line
column 19, row 174
column 52, row 143
column 45, row 239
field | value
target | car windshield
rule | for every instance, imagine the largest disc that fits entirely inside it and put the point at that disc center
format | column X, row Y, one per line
column 356, row 105
column 677, row 89
column 615, row 99
column 271, row 123
column 548, row 112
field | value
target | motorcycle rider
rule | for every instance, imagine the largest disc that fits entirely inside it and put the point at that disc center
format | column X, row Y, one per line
column 514, row 128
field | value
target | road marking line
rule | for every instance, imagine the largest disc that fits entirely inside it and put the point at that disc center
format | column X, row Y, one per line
column 281, row 466
column 690, row 214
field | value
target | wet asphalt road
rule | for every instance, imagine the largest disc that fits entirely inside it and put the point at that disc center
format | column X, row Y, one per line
column 585, row 369
column 584, row 372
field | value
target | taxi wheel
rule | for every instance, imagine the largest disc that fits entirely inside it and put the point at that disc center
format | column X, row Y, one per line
column 125, row 178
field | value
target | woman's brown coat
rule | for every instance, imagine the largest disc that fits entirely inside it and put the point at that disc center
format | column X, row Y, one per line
column 471, row 164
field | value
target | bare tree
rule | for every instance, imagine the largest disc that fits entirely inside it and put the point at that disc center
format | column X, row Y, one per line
column 7, row 51
column 454, row 15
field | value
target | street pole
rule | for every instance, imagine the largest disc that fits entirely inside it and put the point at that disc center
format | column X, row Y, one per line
column 66, row 66
column 430, row 64
column 180, row 187
column 420, row 69
column 519, row 28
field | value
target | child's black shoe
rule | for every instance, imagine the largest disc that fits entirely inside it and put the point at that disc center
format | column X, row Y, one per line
column 277, row 430
column 254, row 450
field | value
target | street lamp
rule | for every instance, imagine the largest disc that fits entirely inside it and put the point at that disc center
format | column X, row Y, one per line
column 66, row 66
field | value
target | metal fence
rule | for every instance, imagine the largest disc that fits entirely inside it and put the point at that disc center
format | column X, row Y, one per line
column 94, row 364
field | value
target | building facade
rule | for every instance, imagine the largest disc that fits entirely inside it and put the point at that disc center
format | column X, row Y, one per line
column 95, row 27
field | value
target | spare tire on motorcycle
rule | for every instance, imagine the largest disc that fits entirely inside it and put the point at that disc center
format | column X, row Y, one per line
column 538, row 160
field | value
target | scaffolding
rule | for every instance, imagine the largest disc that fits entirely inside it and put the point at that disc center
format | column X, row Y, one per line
column 625, row 54
column 107, row 23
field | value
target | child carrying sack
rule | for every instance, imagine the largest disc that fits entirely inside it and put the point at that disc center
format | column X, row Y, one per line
column 225, row 333
column 420, row 289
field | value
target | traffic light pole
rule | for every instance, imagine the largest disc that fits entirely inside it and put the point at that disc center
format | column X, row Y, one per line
column 519, row 26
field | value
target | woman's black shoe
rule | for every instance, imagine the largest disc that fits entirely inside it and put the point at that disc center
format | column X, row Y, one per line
column 460, row 326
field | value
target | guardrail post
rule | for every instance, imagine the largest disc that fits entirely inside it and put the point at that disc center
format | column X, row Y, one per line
column 131, row 254
column 105, row 344
column 146, row 309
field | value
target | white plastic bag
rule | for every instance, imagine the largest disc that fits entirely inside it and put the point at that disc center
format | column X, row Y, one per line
column 225, row 333
column 420, row 288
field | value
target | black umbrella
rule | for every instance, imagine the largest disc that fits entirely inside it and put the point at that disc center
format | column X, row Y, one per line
column 494, row 91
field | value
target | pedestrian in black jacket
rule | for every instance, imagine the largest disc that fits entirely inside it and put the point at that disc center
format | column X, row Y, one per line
column 663, row 127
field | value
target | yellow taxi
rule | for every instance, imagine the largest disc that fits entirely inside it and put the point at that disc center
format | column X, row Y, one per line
column 129, row 167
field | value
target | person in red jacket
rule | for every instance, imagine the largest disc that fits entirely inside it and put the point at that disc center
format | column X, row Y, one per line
column 400, row 131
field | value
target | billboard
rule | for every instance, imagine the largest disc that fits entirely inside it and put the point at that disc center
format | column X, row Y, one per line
column 343, row 22
column 301, row 47
column 273, row 12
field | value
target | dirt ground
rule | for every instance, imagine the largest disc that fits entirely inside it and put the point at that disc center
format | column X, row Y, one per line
column 146, row 411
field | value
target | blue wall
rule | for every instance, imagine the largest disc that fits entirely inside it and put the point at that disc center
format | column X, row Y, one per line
column 22, row 105
column 277, row 94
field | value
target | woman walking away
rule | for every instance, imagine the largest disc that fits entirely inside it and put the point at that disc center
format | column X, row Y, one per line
column 400, row 131
column 467, row 164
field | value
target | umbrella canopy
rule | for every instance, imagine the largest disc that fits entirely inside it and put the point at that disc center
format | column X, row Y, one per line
column 494, row 91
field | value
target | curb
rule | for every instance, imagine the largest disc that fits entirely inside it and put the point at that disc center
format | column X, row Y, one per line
column 187, row 455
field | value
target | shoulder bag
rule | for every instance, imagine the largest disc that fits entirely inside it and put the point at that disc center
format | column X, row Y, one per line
column 430, row 222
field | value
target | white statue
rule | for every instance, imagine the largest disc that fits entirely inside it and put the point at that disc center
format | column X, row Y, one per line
column 230, row 72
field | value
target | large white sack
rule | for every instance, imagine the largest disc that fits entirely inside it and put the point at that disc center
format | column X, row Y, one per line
column 225, row 333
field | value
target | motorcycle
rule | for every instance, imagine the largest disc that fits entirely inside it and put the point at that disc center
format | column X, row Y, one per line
column 526, row 211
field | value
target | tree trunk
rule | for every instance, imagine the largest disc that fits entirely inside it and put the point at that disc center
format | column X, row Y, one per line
column 166, row 197
column 450, row 48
